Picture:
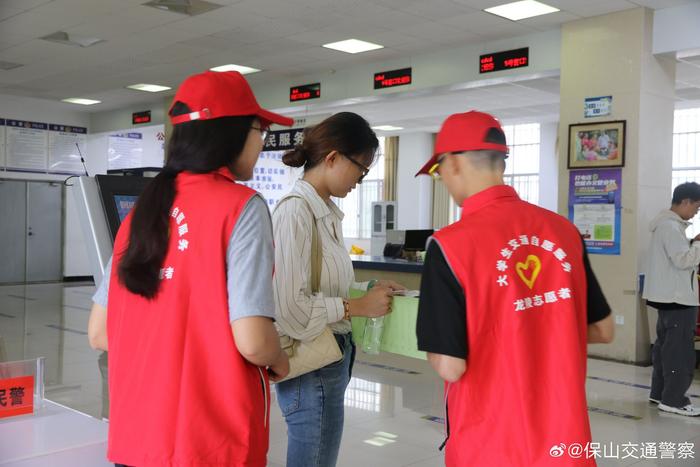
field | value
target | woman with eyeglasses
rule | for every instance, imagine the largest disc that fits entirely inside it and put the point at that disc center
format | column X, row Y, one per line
column 336, row 155
column 192, row 344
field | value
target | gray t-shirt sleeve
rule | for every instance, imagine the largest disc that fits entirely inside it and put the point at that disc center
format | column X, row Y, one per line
column 250, row 262
column 102, row 291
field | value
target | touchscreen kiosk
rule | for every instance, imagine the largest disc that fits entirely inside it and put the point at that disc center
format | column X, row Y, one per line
column 119, row 195
column 103, row 203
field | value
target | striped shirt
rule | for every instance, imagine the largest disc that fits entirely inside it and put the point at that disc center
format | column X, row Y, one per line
column 299, row 314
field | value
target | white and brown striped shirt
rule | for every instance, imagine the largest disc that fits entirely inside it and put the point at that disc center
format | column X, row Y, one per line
column 299, row 314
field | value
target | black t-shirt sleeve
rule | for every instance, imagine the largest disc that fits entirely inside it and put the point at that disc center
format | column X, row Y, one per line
column 597, row 306
column 441, row 327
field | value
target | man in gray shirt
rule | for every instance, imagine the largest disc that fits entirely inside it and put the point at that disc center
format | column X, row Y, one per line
column 670, row 286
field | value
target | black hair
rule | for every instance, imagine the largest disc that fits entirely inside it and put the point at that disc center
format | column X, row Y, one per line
column 488, row 159
column 198, row 146
column 345, row 132
column 688, row 190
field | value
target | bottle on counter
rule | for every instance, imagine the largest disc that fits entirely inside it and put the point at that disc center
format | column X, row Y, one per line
column 374, row 327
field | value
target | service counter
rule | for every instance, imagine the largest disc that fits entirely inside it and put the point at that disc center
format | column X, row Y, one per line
column 55, row 436
column 378, row 267
column 399, row 334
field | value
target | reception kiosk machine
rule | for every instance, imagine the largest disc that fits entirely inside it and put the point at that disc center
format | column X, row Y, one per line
column 103, row 202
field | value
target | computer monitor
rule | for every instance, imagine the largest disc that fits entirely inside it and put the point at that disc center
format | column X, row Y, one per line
column 119, row 195
column 416, row 239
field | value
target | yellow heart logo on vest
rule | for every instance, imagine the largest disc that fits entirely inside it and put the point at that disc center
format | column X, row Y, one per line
column 532, row 265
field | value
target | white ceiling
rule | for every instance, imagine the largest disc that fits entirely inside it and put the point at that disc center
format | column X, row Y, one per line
column 512, row 101
column 282, row 37
column 688, row 78
column 518, row 100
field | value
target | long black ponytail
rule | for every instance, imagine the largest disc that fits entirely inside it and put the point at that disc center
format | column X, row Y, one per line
column 198, row 146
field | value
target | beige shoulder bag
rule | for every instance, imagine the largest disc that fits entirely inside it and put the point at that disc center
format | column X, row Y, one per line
column 307, row 356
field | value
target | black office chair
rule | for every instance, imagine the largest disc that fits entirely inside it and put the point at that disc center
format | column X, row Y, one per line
column 392, row 250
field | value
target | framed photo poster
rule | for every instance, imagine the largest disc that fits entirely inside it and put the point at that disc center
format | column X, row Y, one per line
column 593, row 145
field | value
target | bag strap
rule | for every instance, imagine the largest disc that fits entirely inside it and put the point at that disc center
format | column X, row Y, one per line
column 316, row 247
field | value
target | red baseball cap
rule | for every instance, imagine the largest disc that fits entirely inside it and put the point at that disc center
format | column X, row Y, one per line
column 469, row 131
column 215, row 94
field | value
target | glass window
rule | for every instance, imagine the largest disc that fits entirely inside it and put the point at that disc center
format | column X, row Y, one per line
column 357, row 206
column 523, row 164
column 686, row 153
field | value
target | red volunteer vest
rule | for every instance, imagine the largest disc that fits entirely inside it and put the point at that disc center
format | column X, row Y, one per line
column 180, row 392
column 523, row 393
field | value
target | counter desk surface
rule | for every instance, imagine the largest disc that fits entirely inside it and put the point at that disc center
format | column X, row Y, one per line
column 383, row 263
column 402, row 271
column 399, row 334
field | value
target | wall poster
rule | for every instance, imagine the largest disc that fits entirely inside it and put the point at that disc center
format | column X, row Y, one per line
column 26, row 145
column 64, row 141
column 125, row 150
column 271, row 178
column 595, row 208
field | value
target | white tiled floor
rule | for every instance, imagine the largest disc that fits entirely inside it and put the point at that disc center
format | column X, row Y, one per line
column 383, row 404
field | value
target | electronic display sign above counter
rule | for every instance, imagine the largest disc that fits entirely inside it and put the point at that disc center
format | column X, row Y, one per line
column 305, row 92
column 507, row 60
column 393, row 78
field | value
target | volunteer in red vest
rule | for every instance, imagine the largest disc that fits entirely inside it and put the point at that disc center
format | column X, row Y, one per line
column 190, row 330
column 508, row 303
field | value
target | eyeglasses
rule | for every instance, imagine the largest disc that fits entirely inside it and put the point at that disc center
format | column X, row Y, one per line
column 364, row 168
column 433, row 172
column 263, row 132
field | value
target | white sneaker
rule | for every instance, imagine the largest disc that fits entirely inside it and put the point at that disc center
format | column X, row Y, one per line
column 689, row 410
column 654, row 401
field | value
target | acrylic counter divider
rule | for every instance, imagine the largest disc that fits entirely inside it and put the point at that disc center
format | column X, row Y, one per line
column 399, row 334
column 51, row 434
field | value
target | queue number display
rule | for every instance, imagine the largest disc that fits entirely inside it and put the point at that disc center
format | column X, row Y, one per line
column 141, row 117
column 506, row 60
column 305, row 92
column 390, row 79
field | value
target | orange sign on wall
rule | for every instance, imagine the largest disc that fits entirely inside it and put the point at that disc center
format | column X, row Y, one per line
column 16, row 396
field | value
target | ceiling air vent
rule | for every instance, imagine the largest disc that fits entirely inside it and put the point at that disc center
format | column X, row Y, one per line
column 184, row 7
column 75, row 40
column 9, row 65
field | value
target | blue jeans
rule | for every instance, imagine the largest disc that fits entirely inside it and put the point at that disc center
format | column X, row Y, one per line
column 312, row 405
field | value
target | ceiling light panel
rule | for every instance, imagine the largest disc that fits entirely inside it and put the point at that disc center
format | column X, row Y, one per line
column 521, row 10
column 184, row 7
column 81, row 101
column 244, row 70
column 148, row 87
column 353, row 46
column 387, row 128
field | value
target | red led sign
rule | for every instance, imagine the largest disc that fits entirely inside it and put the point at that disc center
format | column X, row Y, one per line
column 141, row 117
column 507, row 60
column 389, row 79
column 305, row 92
